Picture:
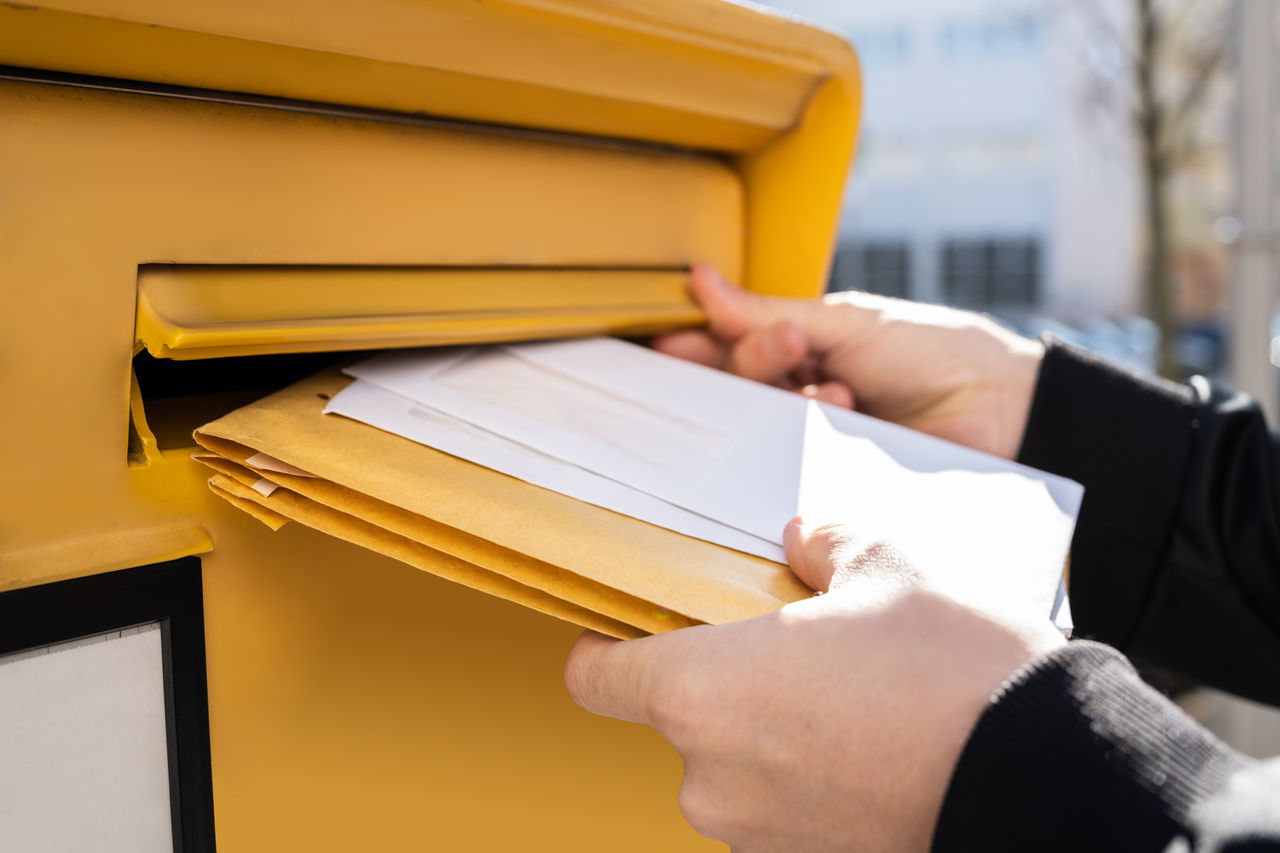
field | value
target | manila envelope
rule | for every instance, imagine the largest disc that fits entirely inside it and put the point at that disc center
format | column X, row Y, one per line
column 453, row 518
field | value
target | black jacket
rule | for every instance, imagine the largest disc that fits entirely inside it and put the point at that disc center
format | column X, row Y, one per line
column 1176, row 563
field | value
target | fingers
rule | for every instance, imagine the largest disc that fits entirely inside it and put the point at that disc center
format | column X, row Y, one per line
column 766, row 339
column 766, row 354
column 692, row 345
column 831, row 555
column 835, row 393
column 775, row 355
column 769, row 354
column 616, row 678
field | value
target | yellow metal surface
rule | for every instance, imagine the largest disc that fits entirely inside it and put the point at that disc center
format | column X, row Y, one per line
column 360, row 704
column 202, row 312
column 779, row 98
column 97, row 184
column 794, row 187
column 331, row 726
column 700, row 74
column 357, row 703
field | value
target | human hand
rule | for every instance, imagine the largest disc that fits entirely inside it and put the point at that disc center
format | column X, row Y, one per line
column 950, row 373
column 832, row 724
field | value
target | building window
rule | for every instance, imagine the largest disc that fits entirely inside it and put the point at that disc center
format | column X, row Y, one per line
column 881, row 266
column 1013, row 34
column 991, row 273
column 992, row 152
column 887, row 46
column 885, row 158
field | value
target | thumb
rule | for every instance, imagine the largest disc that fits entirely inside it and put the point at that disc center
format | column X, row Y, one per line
column 618, row 678
column 810, row 553
column 726, row 305
column 733, row 312
column 831, row 555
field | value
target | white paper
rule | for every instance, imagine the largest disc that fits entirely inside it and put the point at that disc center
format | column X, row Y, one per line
column 84, row 761
column 750, row 457
column 385, row 410
column 265, row 462
column 265, row 487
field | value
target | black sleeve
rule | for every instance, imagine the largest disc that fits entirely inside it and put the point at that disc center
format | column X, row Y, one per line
column 1176, row 556
column 1076, row 753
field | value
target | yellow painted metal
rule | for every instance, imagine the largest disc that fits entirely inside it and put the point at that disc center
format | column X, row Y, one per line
column 690, row 73
column 781, row 99
column 97, row 185
column 214, row 311
column 794, row 186
column 355, row 702
column 330, row 725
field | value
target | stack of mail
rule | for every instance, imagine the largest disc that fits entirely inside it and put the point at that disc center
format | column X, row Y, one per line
column 623, row 490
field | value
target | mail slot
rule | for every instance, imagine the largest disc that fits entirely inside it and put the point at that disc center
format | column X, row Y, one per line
column 202, row 203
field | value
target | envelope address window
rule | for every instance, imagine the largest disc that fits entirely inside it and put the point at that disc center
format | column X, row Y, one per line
column 643, row 432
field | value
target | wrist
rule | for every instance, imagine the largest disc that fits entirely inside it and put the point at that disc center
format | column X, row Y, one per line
column 1018, row 387
column 969, row 652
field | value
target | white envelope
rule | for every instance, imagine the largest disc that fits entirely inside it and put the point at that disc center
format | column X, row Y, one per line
column 747, row 456
column 368, row 403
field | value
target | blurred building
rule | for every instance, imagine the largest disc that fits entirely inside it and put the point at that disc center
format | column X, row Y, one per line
column 990, row 174
column 1254, row 229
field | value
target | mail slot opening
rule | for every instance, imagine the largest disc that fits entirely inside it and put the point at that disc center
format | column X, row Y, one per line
column 173, row 398
column 193, row 312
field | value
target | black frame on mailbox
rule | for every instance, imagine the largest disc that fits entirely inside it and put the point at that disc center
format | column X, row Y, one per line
column 170, row 594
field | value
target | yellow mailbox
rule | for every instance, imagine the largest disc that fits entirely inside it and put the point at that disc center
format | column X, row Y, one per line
column 201, row 202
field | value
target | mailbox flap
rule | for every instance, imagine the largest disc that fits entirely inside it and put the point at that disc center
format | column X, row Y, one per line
column 188, row 312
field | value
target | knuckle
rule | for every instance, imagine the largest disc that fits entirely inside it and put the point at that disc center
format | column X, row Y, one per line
column 825, row 543
column 675, row 701
column 756, row 351
column 576, row 678
column 583, row 671
column 698, row 805
column 830, row 535
column 879, row 553
column 877, row 557
column 780, row 751
column 883, row 557
column 864, row 560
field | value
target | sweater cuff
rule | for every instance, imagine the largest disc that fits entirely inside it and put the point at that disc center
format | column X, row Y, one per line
column 1126, row 438
column 1076, row 753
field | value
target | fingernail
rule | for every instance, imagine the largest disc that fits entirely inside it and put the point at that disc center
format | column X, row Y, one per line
column 793, row 532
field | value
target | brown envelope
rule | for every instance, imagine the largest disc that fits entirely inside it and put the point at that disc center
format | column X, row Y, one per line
column 456, row 519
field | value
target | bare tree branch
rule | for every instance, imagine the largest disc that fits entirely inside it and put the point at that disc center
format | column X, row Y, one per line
column 1172, row 59
column 1206, row 67
column 1104, row 89
column 1091, row 12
